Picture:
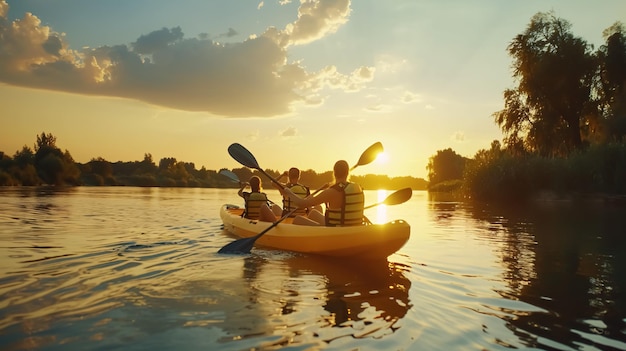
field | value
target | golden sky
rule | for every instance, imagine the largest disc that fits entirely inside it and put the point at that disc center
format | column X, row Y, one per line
column 299, row 83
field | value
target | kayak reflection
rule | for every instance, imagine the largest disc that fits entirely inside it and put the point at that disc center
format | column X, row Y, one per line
column 331, row 297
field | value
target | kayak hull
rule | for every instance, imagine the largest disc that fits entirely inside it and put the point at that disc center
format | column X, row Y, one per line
column 375, row 241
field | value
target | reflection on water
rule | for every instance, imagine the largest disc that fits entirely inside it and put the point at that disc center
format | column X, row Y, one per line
column 319, row 301
column 565, row 259
column 137, row 268
column 572, row 266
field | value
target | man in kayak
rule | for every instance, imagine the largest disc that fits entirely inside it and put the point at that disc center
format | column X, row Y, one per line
column 344, row 201
column 257, row 205
column 302, row 191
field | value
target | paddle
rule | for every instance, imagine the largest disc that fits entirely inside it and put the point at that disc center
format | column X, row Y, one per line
column 233, row 177
column 245, row 157
column 230, row 175
column 243, row 246
column 396, row 198
column 369, row 155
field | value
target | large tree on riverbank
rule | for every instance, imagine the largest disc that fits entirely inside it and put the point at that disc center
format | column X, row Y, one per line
column 555, row 71
column 53, row 165
column 444, row 166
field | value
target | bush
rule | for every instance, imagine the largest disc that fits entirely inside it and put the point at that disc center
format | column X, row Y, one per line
column 501, row 176
column 7, row 180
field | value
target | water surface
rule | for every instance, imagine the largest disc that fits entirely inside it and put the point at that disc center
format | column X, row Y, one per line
column 123, row 268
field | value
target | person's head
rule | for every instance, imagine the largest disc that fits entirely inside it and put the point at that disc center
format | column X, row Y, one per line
column 341, row 170
column 294, row 175
column 255, row 184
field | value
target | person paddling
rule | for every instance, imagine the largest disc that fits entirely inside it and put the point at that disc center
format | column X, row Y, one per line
column 294, row 185
column 257, row 205
column 344, row 201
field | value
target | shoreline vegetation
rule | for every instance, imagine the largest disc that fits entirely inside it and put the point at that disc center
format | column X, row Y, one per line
column 48, row 165
column 595, row 174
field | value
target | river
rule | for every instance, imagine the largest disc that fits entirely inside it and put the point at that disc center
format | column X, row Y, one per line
column 125, row 268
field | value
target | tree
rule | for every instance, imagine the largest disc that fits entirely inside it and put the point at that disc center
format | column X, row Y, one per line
column 50, row 168
column 167, row 163
column 555, row 71
column 101, row 167
column 45, row 141
column 612, row 81
column 24, row 157
column 70, row 173
column 53, row 165
column 147, row 166
column 445, row 165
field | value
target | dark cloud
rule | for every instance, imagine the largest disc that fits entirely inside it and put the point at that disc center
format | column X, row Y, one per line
column 53, row 45
column 231, row 33
column 147, row 44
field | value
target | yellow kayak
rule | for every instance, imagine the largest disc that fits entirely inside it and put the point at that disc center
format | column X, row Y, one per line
column 374, row 241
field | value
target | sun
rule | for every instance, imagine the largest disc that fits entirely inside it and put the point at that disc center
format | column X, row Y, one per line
column 382, row 157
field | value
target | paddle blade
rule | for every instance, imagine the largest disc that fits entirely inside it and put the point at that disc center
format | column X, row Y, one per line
column 398, row 197
column 240, row 246
column 243, row 156
column 230, row 175
column 370, row 154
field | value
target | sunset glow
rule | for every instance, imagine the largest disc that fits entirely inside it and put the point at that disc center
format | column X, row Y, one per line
column 382, row 158
column 381, row 210
column 299, row 83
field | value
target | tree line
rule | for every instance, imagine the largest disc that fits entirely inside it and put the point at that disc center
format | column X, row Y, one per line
column 46, row 164
column 564, row 124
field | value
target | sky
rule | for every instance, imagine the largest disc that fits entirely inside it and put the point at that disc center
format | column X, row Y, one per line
column 298, row 83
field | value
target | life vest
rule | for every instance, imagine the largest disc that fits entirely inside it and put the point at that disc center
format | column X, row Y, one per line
column 288, row 206
column 351, row 212
column 253, row 204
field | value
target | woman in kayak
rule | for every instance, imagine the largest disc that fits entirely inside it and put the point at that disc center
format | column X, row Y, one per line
column 257, row 203
column 344, row 201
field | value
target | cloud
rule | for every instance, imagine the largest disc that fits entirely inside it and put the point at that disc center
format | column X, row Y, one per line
column 231, row 33
column 157, row 40
column 458, row 136
column 289, row 132
column 251, row 78
column 391, row 64
column 316, row 19
column 410, row 97
column 253, row 136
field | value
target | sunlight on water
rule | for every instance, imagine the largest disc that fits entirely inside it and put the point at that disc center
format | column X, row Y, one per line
column 381, row 210
column 137, row 268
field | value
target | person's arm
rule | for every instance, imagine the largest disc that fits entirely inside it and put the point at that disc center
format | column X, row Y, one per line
column 243, row 186
column 323, row 197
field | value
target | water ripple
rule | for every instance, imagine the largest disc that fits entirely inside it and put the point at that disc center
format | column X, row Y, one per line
column 113, row 268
